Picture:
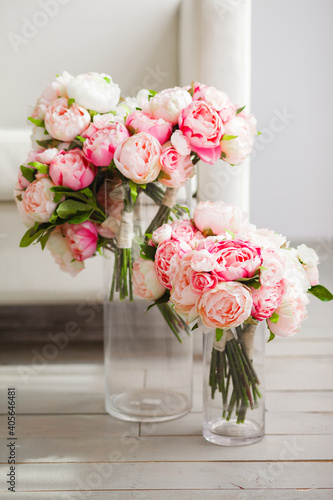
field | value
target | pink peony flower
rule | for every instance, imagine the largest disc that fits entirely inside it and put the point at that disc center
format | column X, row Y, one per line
column 236, row 259
column 203, row 261
column 71, row 169
column 38, row 201
column 99, row 149
column 81, row 239
column 273, row 265
column 176, row 169
column 219, row 217
column 26, row 219
column 181, row 143
column 267, row 299
column 163, row 257
column 217, row 99
column 183, row 230
column 292, row 311
column 32, row 156
column 244, row 128
column 46, row 156
column 145, row 280
column 138, row 158
column 202, row 282
column 100, row 122
column 202, row 125
column 168, row 103
column 54, row 90
column 183, row 297
column 138, row 121
column 65, row 123
column 227, row 305
column 162, row 233
column 60, row 250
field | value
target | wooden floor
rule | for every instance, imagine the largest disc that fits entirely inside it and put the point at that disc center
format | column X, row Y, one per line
column 69, row 448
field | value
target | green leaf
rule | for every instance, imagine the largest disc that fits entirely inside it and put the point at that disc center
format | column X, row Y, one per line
column 53, row 219
column 87, row 192
column 92, row 113
column 162, row 300
column 19, row 197
column 274, row 318
column 194, row 327
column 227, row 137
column 106, row 79
column 43, row 169
column 258, row 133
column 70, row 103
column 29, row 236
column 48, row 142
column 255, row 284
column 70, row 208
column 28, row 173
column 134, row 190
column 321, row 293
column 207, row 232
column 151, row 94
column 147, row 252
column 185, row 210
column 79, row 218
column 271, row 337
column 148, row 235
column 138, row 109
column 231, row 233
column 80, row 138
column 219, row 334
column 44, row 237
column 36, row 121
column 262, row 268
column 223, row 155
column 62, row 189
column 239, row 110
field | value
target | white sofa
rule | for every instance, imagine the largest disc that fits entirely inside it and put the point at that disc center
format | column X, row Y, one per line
column 141, row 44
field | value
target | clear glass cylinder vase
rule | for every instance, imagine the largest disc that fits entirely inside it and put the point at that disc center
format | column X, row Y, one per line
column 233, row 385
column 148, row 366
column 148, row 371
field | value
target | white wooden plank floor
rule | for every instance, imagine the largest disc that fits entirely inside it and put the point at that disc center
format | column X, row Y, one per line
column 69, row 448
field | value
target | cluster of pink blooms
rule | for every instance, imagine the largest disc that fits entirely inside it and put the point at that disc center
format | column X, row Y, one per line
column 80, row 128
column 220, row 270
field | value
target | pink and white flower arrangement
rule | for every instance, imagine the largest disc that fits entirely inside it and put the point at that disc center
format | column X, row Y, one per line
column 85, row 134
column 221, row 281
column 226, row 281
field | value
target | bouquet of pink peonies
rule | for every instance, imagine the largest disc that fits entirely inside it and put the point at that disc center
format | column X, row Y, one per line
column 219, row 272
column 94, row 153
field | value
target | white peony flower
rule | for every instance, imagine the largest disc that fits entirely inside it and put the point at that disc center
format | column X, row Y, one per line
column 169, row 103
column 244, row 130
column 94, row 91
column 294, row 272
column 307, row 255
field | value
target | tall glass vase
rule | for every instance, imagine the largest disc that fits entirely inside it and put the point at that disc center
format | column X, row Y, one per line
column 233, row 386
column 148, row 372
column 148, row 365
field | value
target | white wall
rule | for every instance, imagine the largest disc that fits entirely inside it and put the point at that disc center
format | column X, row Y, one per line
column 135, row 42
column 292, row 174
